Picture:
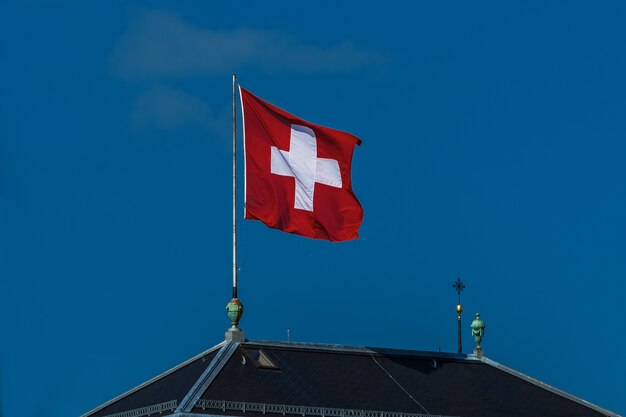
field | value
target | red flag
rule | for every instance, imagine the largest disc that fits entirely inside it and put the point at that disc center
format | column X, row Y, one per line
column 297, row 174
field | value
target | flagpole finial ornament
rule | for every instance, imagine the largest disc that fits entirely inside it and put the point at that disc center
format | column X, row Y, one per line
column 478, row 332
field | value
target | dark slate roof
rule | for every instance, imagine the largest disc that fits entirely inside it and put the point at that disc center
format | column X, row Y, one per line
column 311, row 380
column 170, row 386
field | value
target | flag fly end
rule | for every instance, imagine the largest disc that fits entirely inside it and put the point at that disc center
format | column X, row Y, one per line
column 298, row 174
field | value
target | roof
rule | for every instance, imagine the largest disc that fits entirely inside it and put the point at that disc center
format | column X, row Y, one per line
column 261, row 378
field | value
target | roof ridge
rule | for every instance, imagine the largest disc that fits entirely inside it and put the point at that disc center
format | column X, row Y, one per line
column 207, row 376
column 368, row 350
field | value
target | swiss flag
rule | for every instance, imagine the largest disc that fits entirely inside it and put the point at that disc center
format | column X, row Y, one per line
column 297, row 174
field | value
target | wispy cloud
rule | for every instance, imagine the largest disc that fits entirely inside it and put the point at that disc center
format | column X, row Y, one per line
column 160, row 44
column 171, row 109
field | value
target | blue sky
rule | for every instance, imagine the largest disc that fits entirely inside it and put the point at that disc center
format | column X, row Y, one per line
column 494, row 140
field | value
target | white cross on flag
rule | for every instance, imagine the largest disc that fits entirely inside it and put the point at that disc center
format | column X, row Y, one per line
column 297, row 174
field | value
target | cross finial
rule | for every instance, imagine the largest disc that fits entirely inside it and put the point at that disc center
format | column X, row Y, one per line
column 459, row 287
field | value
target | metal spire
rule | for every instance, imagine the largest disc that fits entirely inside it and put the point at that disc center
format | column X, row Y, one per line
column 459, row 287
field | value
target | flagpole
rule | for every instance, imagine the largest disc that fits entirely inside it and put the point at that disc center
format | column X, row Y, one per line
column 234, row 309
column 234, row 188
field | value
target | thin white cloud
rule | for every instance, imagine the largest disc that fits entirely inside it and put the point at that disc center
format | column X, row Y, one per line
column 170, row 109
column 160, row 44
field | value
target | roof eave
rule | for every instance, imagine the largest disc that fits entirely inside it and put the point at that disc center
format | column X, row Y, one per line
column 548, row 387
column 156, row 378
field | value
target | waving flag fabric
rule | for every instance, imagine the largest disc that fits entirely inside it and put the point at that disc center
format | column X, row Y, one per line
column 297, row 174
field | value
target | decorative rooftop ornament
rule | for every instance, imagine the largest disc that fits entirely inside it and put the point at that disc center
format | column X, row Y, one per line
column 234, row 310
column 478, row 332
column 459, row 287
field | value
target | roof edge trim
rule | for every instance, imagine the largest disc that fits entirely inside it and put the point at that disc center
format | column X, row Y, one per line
column 301, row 410
column 548, row 387
column 147, row 410
column 150, row 381
column 183, row 414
